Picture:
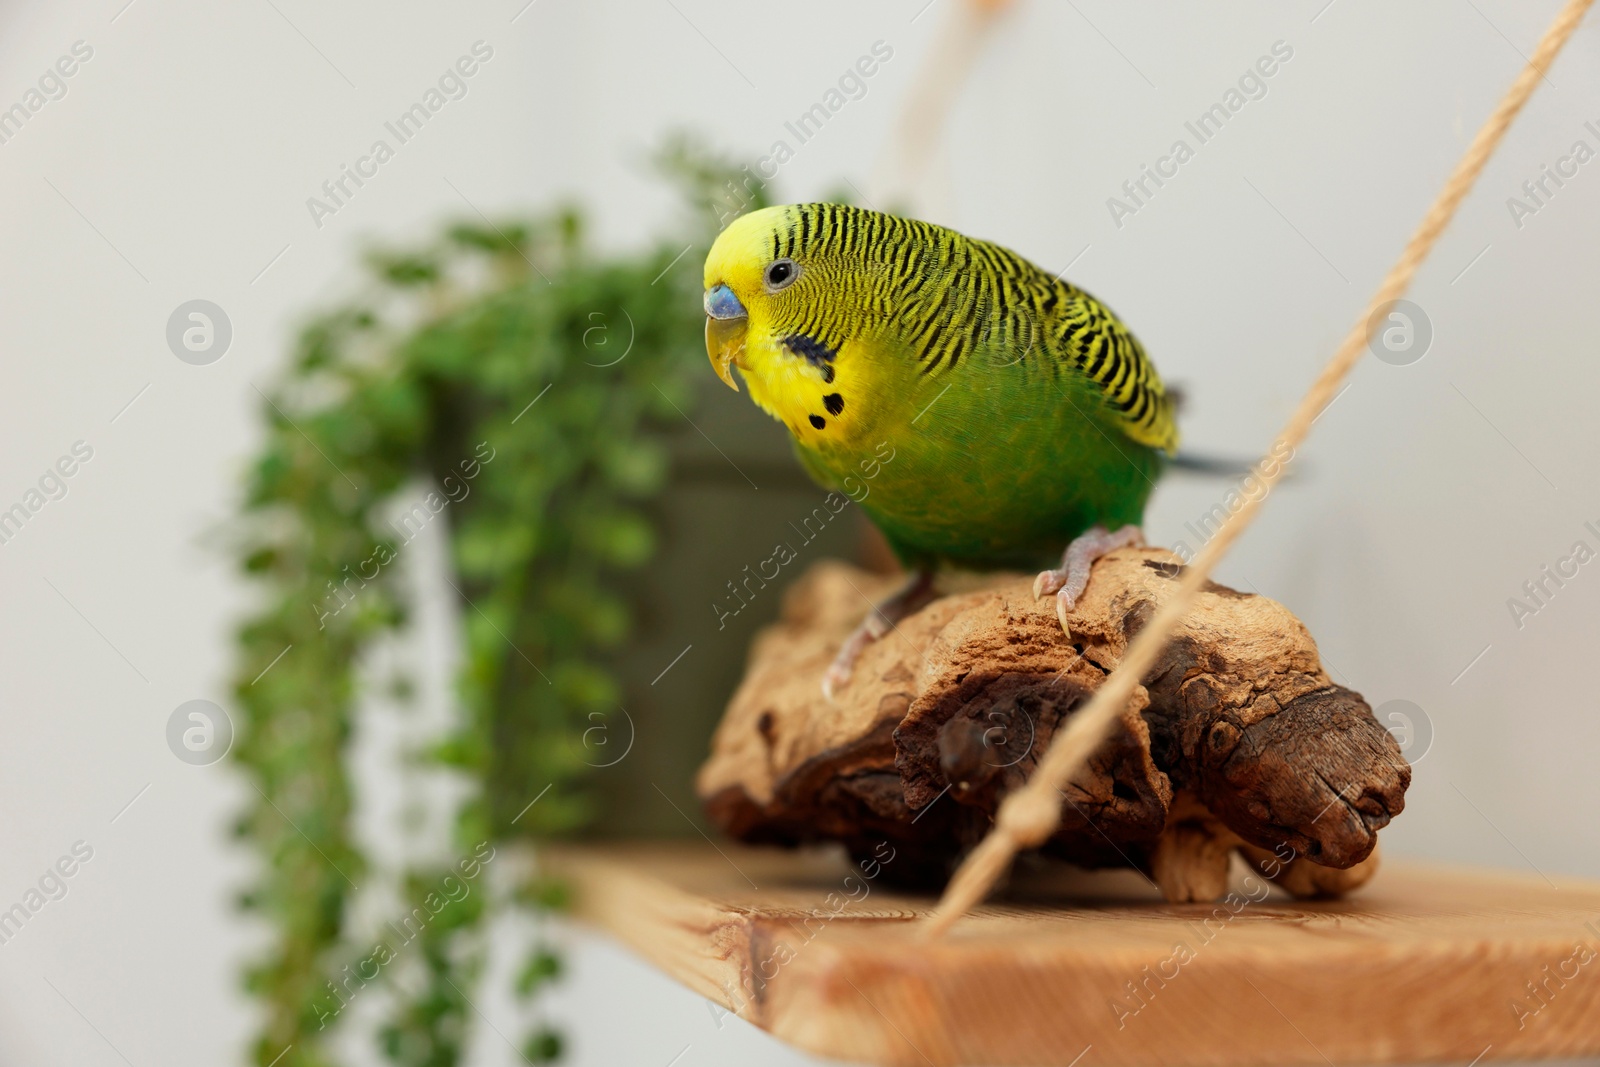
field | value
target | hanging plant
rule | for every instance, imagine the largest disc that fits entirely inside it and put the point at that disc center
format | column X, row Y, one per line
column 522, row 379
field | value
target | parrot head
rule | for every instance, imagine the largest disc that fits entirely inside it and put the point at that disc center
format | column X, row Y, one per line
column 795, row 298
column 747, row 282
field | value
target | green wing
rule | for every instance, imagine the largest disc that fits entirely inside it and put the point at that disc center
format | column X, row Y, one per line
column 964, row 296
column 1085, row 335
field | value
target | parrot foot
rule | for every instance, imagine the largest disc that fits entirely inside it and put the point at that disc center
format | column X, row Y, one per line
column 1069, row 582
column 879, row 621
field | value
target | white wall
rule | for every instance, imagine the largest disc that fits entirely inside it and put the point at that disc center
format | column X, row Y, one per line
column 177, row 167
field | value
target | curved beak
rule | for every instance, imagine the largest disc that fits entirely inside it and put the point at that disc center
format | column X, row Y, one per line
column 726, row 322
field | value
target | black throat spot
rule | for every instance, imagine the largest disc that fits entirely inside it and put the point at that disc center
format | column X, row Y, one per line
column 813, row 352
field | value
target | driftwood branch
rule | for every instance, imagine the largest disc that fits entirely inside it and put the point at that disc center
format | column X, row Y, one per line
column 1236, row 741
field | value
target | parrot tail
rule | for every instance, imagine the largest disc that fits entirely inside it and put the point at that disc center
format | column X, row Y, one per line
column 1204, row 466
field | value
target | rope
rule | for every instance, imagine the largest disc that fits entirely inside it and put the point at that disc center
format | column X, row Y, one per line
column 1032, row 813
column 904, row 176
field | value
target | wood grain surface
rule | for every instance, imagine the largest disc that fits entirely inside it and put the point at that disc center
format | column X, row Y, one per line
column 1425, row 964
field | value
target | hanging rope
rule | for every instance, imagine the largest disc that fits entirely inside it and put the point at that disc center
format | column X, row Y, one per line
column 1032, row 813
column 905, row 177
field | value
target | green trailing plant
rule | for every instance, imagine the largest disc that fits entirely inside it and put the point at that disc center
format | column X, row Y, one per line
column 511, row 383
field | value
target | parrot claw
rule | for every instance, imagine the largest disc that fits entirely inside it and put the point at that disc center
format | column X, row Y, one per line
column 837, row 675
column 879, row 621
column 1064, row 608
column 1070, row 580
column 1041, row 584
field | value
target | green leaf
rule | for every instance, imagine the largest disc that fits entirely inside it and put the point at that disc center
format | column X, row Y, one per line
column 544, row 1046
column 543, row 966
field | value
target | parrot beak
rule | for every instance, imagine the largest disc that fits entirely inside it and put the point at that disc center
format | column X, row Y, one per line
column 726, row 322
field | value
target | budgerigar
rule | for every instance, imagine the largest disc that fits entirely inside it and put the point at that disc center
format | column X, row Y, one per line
column 1021, row 415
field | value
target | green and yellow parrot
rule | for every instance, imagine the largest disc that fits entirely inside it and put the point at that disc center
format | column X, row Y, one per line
column 1020, row 416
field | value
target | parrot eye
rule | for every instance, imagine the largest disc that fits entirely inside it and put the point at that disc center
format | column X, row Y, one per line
column 781, row 273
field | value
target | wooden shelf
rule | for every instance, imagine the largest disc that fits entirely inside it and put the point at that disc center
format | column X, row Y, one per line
column 1425, row 964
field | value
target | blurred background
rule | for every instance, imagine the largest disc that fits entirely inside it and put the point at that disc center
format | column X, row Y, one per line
column 191, row 484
